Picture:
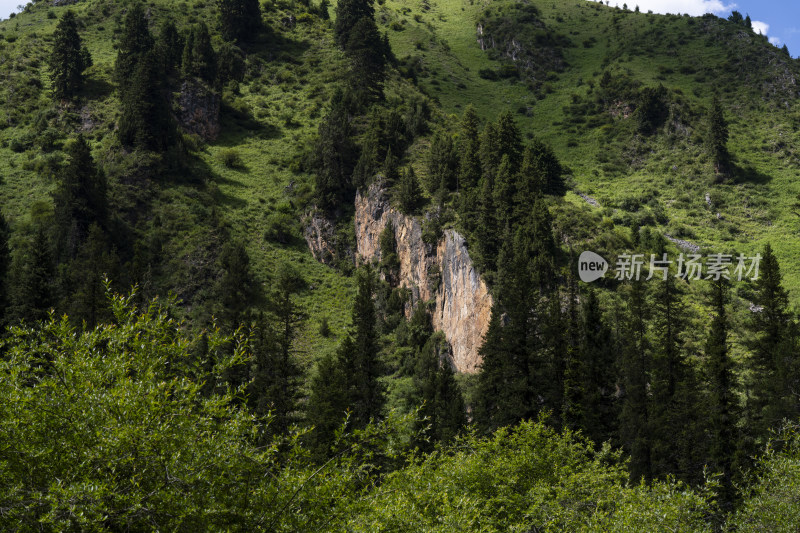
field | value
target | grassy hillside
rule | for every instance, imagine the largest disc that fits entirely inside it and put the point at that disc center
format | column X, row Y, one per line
column 626, row 172
column 663, row 179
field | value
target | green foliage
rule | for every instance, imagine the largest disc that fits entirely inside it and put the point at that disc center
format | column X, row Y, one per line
column 199, row 59
column 348, row 14
column 5, row 264
column 135, row 42
column 717, row 140
column 69, row 58
column 408, row 192
column 335, row 153
column 239, row 20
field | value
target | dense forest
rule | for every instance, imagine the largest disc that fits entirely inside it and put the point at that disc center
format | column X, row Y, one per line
column 199, row 334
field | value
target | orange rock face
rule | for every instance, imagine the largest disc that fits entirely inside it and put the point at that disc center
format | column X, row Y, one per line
column 443, row 274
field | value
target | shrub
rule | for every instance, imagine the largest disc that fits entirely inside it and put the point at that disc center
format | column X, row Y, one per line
column 231, row 158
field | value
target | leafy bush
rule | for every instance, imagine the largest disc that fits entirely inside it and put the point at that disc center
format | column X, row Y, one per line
column 231, row 158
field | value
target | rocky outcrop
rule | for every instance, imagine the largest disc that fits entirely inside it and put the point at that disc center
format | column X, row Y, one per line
column 442, row 273
column 320, row 235
column 199, row 109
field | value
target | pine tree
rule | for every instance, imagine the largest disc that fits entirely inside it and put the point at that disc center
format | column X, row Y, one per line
column 146, row 122
column 239, row 20
column 717, row 140
column 84, row 291
column 635, row 429
column 348, row 14
column 509, row 140
column 486, row 230
column 388, row 245
column 365, row 51
column 5, row 264
column 409, row 195
column 443, row 410
column 504, row 192
column 490, row 151
column 675, row 417
column 348, row 381
column 323, row 9
column 199, row 59
column 541, row 173
column 591, row 381
column 33, row 272
column 68, row 58
column 442, row 165
column 390, row 168
column 136, row 41
column 722, row 401
column 469, row 146
column 275, row 374
column 169, row 46
column 335, row 154
column 236, row 288
column 80, row 199
column 773, row 343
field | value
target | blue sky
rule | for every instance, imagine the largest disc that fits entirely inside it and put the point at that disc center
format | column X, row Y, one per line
column 779, row 19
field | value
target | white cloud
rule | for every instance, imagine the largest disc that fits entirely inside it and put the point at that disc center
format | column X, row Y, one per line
column 760, row 27
column 692, row 7
column 775, row 41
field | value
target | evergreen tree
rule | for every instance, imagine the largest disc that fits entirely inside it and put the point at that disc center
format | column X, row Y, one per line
column 442, row 165
column 275, row 374
column 490, row 153
column 443, row 410
column 388, row 245
column 717, row 140
column 136, row 41
column 675, row 417
column 773, row 343
column 348, row 381
column 591, row 386
column 5, row 264
column 68, row 58
column 335, row 154
column 348, row 14
column 170, row 46
column 365, row 50
column 84, row 295
column 635, row 368
column 239, row 20
column 199, row 59
column 80, row 199
column 235, row 287
column 486, row 230
column 390, row 168
column 409, row 195
column 469, row 147
column 33, row 292
column 504, row 192
column 323, row 9
column 509, row 140
column 541, row 173
column 722, row 401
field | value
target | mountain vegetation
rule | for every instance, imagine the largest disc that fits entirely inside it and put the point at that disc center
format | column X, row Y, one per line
column 173, row 356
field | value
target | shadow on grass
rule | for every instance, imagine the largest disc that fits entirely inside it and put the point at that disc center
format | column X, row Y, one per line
column 238, row 125
column 745, row 172
column 95, row 89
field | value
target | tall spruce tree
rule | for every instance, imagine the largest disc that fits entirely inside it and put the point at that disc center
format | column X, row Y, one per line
column 442, row 165
column 199, row 59
column 146, row 122
column 33, row 273
column 239, row 20
column 135, row 42
column 348, row 14
column 408, row 193
column 722, row 400
column 80, row 199
column 469, row 146
column 509, row 140
column 676, row 418
column 235, row 288
column 83, row 292
column 366, row 53
column 635, row 428
column 68, row 58
column 169, row 45
column 443, row 410
column 5, row 265
column 772, row 341
column 335, row 154
column 348, row 381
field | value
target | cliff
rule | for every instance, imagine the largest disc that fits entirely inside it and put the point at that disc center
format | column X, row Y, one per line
column 443, row 273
